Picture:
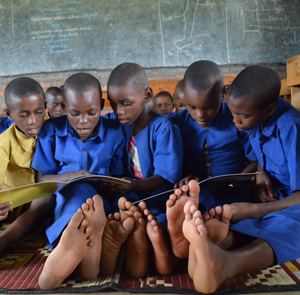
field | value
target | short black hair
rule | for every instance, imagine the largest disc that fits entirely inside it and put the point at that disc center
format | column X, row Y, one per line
column 54, row 91
column 21, row 87
column 179, row 86
column 202, row 75
column 82, row 82
column 259, row 83
column 128, row 74
column 164, row 93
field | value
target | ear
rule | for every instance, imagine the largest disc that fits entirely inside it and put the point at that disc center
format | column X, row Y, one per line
column 225, row 92
column 271, row 109
column 148, row 93
column 8, row 113
column 102, row 103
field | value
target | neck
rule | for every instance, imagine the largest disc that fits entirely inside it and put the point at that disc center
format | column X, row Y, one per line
column 144, row 119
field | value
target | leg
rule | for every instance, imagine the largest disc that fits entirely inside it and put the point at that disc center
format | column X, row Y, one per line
column 116, row 232
column 36, row 214
column 94, row 213
column 137, row 244
column 209, row 271
column 71, row 249
column 175, row 216
column 164, row 259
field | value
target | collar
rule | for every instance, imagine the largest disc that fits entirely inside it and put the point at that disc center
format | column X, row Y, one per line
column 25, row 142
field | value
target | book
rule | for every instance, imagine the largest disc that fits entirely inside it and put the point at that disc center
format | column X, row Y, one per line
column 226, row 180
column 27, row 193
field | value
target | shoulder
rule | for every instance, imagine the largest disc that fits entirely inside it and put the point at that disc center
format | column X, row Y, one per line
column 180, row 118
column 289, row 117
column 110, row 121
column 57, row 126
column 8, row 137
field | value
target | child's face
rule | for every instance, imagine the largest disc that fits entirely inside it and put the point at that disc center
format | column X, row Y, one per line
column 55, row 105
column 164, row 105
column 246, row 116
column 203, row 106
column 128, row 103
column 28, row 114
column 83, row 111
column 179, row 101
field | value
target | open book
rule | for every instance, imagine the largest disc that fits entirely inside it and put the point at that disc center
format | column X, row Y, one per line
column 236, row 179
column 27, row 193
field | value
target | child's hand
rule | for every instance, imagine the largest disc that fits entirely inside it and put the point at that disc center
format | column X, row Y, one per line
column 4, row 209
column 185, row 181
column 264, row 188
column 125, row 188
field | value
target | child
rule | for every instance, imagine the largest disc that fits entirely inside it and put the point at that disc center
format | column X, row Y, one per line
column 54, row 102
column 80, row 143
column 178, row 96
column 24, row 99
column 212, row 144
column 164, row 102
column 153, row 144
column 273, row 226
column 5, row 122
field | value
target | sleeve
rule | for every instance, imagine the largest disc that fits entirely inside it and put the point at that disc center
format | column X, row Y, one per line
column 117, row 166
column 290, row 138
column 4, row 160
column 44, row 157
column 168, row 155
column 244, row 138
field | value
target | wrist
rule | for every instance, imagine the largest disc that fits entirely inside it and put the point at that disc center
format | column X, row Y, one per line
column 137, row 185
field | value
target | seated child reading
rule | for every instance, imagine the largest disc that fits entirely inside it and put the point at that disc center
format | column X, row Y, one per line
column 24, row 99
column 266, row 232
column 212, row 144
column 153, row 144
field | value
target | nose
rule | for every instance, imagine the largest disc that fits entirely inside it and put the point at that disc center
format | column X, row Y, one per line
column 236, row 119
column 120, row 110
column 200, row 114
column 31, row 119
column 59, row 107
column 83, row 119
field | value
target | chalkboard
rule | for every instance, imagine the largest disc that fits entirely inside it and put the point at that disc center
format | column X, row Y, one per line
column 58, row 35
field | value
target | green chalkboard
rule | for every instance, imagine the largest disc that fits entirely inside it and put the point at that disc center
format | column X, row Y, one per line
column 59, row 35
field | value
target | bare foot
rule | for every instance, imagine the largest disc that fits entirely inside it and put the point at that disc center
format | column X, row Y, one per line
column 137, row 244
column 175, row 216
column 95, row 215
column 164, row 259
column 217, row 222
column 71, row 249
column 116, row 232
column 209, row 271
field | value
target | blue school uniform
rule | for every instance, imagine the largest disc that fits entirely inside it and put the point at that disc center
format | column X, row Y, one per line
column 60, row 150
column 160, row 152
column 212, row 151
column 278, row 151
column 5, row 123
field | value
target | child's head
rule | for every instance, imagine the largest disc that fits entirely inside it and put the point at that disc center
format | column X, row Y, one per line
column 252, row 96
column 178, row 96
column 203, row 87
column 25, row 104
column 54, row 101
column 128, row 92
column 164, row 102
column 83, row 103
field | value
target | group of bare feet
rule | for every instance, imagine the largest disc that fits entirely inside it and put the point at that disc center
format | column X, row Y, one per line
column 92, row 242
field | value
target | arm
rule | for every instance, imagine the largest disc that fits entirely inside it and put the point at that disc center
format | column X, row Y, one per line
column 251, row 167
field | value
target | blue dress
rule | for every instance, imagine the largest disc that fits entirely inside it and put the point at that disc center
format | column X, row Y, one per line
column 160, row 152
column 216, row 150
column 60, row 150
column 5, row 123
column 277, row 149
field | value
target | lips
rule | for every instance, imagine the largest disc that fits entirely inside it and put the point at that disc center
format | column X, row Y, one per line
column 83, row 131
column 33, row 131
column 123, row 121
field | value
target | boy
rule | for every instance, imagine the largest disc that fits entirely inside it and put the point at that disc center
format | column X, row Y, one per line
column 153, row 144
column 272, row 226
column 54, row 102
column 164, row 103
column 178, row 96
column 212, row 144
column 24, row 99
